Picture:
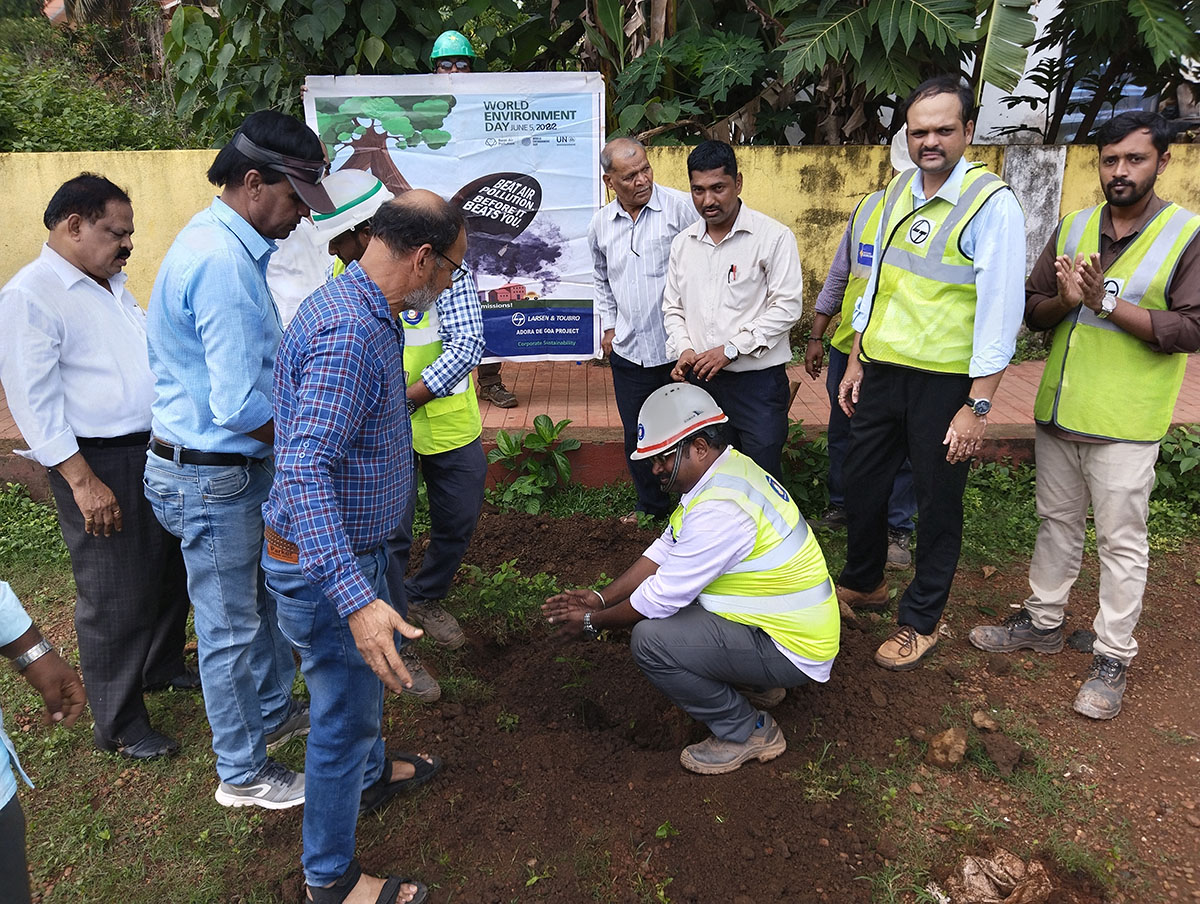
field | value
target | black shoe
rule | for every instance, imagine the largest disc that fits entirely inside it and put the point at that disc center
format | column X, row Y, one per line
column 187, row 680
column 152, row 746
column 833, row 519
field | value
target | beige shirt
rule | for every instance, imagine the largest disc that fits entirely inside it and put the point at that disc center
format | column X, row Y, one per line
column 745, row 290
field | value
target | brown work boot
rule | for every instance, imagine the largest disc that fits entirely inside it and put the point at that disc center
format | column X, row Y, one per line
column 905, row 649
column 713, row 756
column 498, row 395
column 874, row 601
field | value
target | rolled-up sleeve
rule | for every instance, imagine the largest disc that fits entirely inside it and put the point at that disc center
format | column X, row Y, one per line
column 460, row 324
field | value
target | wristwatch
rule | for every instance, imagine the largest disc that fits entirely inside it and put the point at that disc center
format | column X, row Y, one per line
column 1108, row 304
column 979, row 407
column 731, row 351
column 589, row 630
column 30, row 656
column 411, row 406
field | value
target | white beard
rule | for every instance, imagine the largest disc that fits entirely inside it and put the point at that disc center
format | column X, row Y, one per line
column 422, row 299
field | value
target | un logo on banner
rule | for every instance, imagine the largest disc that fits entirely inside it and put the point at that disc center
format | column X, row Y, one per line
column 413, row 317
column 919, row 231
column 775, row 485
column 518, row 319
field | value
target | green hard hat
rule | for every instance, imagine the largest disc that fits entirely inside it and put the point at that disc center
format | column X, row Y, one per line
column 451, row 44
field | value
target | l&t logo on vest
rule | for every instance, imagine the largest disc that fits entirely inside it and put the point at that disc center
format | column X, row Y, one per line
column 919, row 231
column 1112, row 286
column 775, row 485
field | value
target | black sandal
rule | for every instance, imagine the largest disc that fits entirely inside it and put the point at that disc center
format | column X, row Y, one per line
column 384, row 789
column 341, row 888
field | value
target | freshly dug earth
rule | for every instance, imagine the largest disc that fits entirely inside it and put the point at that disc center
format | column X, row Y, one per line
column 562, row 780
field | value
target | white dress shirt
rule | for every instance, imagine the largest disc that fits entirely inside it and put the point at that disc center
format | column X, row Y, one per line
column 630, row 271
column 72, row 358
column 745, row 290
column 719, row 535
column 994, row 239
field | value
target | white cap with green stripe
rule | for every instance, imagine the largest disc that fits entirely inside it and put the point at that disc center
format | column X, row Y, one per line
column 356, row 195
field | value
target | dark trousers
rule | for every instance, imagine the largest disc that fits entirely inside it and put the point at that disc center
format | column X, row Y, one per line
column 489, row 374
column 902, row 504
column 756, row 403
column 131, row 600
column 454, row 487
column 14, row 870
column 905, row 413
column 632, row 385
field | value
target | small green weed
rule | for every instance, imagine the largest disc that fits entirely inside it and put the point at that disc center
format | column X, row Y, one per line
column 578, row 667
column 503, row 604
column 507, row 721
column 666, row 830
column 820, row 779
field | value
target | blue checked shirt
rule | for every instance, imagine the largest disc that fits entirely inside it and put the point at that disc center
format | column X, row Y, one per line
column 460, row 324
column 13, row 623
column 343, row 441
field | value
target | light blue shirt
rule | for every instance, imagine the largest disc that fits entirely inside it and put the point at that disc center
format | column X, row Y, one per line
column 13, row 623
column 213, row 331
column 629, row 263
column 995, row 241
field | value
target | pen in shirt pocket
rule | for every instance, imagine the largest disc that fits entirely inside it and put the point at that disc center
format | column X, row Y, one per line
column 732, row 274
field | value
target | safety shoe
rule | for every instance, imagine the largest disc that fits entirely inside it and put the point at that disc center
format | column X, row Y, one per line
column 713, row 756
column 834, row 518
column 761, row 697
column 905, row 649
column 898, row 554
column 873, row 600
column 275, row 788
column 438, row 624
column 1017, row 632
column 296, row 725
column 498, row 395
column 1100, row 696
column 424, row 686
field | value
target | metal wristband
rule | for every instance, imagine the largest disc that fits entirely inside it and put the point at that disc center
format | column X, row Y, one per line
column 32, row 655
column 589, row 629
column 600, row 596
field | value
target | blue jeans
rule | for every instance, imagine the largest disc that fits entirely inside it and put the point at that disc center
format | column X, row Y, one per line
column 345, row 746
column 902, row 504
column 246, row 666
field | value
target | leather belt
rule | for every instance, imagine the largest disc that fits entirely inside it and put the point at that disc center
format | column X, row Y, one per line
column 279, row 549
column 192, row 457
column 100, row 442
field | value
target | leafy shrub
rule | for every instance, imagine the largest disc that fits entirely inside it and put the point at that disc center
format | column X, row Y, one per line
column 503, row 604
column 1177, row 474
column 806, row 470
column 540, row 456
column 999, row 513
column 29, row 531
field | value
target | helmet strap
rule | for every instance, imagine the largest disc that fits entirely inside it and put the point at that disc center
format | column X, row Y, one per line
column 675, row 470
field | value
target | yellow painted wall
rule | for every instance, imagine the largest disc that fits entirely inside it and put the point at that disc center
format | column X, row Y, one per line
column 811, row 189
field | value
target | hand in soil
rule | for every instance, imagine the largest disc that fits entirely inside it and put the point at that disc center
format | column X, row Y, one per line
column 565, row 610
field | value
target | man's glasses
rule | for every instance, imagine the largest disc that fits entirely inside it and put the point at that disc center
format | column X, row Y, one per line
column 453, row 65
column 459, row 270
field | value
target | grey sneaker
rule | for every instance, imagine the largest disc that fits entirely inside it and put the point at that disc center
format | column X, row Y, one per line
column 275, row 788
column 1017, row 633
column 716, row 757
column 898, row 554
column 294, row 726
column 761, row 697
column 438, row 624
column 1100, row 696
column 424, row 686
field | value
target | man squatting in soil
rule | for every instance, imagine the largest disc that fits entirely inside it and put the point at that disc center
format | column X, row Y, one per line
column 1119, row 284
column 441, row 346
column 767, row 614
column 344, row 474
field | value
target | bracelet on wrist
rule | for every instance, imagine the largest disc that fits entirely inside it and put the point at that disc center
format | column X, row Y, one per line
column 32, row 655
column 600, row 596
column 812, row 338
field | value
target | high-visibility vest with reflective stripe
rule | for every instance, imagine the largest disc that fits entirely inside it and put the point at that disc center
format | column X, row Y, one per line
column 444, row 422
column 783, row 585
column 1100, row 380
column 923, row 311
column 863, row 230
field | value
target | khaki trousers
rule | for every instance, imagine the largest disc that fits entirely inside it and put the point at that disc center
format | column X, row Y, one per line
column 1116, row 478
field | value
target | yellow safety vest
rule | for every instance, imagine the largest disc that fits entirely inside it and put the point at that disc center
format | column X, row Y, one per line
column 783, row 586
column 444, row 422
column 863, row 230
column 923, row 311
column 1100, row 380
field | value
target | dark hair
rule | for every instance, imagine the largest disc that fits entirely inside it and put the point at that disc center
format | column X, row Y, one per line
column 405, row 227
column 1124, row 124
column 271, row 130
column 715, row 435
column 711, row 155
column 944, row 84
column 87, row 195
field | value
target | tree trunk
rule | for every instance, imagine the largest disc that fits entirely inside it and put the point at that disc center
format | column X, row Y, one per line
column 370, row 153
column 1062, row 102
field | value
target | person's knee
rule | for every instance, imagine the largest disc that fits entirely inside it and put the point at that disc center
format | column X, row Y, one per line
column 645, row 645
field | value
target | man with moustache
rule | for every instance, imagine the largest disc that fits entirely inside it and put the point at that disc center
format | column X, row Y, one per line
column 630, row 240
column 934, row 331
column 213, row 332
column 1119, row 284
column 344, row 462
column 73, row 365
column 733, row 294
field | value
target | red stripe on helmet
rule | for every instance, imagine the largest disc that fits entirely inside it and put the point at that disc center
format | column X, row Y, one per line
column 718, row 418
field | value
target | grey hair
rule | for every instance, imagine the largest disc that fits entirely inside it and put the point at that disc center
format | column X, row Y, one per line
column 606, row 154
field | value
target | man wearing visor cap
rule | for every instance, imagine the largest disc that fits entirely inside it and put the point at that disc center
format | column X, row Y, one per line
column 213, row 331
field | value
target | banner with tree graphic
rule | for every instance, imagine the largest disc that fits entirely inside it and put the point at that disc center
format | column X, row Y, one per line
column 520, row 152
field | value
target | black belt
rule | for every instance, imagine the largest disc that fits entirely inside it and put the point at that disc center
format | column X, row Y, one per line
column 192, row 457
column 100, row 442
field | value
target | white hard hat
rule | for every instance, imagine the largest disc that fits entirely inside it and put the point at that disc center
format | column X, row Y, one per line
column 670, row 415
column 356, row 195
column 901, row 161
